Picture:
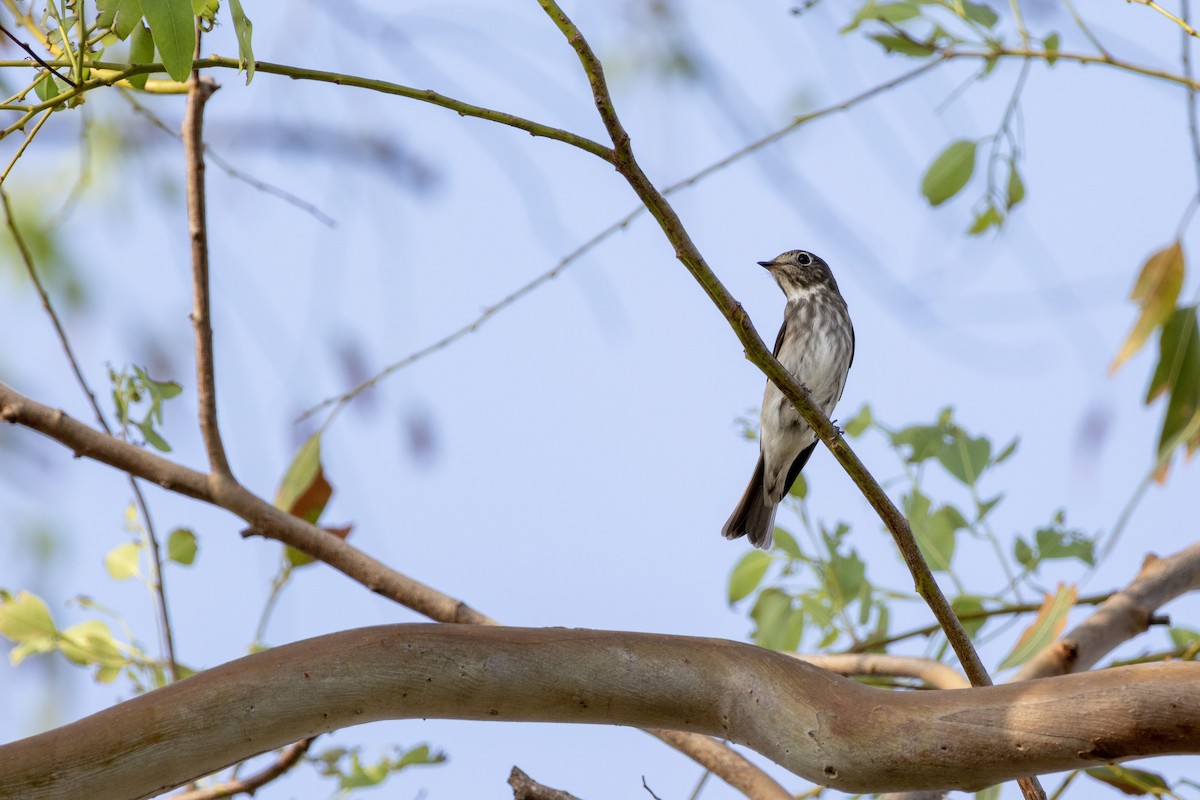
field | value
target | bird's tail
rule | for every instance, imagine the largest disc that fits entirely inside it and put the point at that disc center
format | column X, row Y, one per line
column 754, row 516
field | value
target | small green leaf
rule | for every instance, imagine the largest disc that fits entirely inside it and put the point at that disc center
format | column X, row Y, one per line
column 243, row 28
column 419, row 756
column 46, row 88
column 1051, row 619
column 970, row 606
column 1007, row 452
column 1183, row 637
column 924, row 441
column 1178, row 371
column 1016, row 186
column 152, row 436
column 1050, row 43
column 174, row 27
column 181, row 546
column 949, row 172
column 985, row 221
column 904, row 45
column 141, row 51
column 122, row 561
column 304, row 491
column 778, row 625
column 799, row 488
column 934, row 532
column 990, row 793
column 1129, row 780
column 25, row 617
column 979, row 13
column 1156, row 292
column 984, row 507
column 858, row 425
column 92, row 643
column 787, row 543
column 747, row 574
column 1023, row 553
column 964, row 457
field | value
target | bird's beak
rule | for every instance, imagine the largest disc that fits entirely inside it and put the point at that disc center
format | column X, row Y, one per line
column 767, row 264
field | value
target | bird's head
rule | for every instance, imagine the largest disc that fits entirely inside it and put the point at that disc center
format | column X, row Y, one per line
column 800, row 273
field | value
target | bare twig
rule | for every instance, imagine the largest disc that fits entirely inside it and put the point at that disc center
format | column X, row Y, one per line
column 36, row 57
column 1181, row 22
column 288, row 758
column 934, row 673
column 158, row 589
column 199, row 90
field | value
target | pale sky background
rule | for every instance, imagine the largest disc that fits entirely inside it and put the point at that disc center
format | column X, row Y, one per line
column 583, row 446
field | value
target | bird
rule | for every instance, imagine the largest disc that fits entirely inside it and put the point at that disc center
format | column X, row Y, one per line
column 816, row 345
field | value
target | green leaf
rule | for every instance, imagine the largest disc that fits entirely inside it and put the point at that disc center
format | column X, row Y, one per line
column 969, row 605
column 141, row 51
column 904, row 45
column 1156, row 292
column 965, row 458
column 152, row 436
column 46, row 88
column 1016, row 186
column 934, row 532
column 985, row 221
column 1129, row 780
column 984, row 507
column 979, row 13
column 122, row 561
column 1007, row 452
column 778, row 625
column 888, row 12
column 174, row 27
column 25, row 617
column 923, row 441
column 787, row 543
column 243, row 28
column 747, row 574
column 1178, row 371
column 92, row 643
column 1050, row 43
column 119, row 16
column 419, row 756
column 858, row 425
column 181, row 546
column 1051, row 619
column 949, row 172
column 1183, row 637
column 990, row 793
column 1056, row 542
column 1023, row 553
column 799, row 487
column 304, row 492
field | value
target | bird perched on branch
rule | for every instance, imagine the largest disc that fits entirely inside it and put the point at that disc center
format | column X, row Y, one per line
column 816, row 345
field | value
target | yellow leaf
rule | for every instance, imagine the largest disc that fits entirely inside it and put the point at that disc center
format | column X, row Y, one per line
column 1156, row 290
column 1051, row 619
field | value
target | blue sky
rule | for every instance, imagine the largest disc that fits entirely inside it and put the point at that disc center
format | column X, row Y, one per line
column 584, row 446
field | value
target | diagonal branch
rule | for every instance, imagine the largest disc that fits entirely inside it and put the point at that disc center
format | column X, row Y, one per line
column 756, row 350
column 288, row 758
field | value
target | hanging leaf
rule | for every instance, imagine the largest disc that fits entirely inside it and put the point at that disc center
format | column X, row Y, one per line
column 1051, row 619
column 141, row 51
column 1178, row 372
column 243, row 28
column 304, row 491
column 181, row 546
column 174, row 27
column 949, row 172
column 1129, row 780
column 747, row 574
column 1156, row 290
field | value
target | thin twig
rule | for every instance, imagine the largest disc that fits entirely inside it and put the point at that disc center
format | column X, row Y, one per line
column 36, row 57
column 21, row 150
column 1193, row 126
column 624, row 222
column 1181, row 22
column 1091, row 37
column 232, row 171
column 289, row 757
column 344, row 398
column 156, row 586
column 199, row 90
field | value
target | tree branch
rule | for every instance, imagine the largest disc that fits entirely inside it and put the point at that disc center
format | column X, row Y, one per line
column 526, row 788
column 758, row 353
column 828, row 729
column 199, row 90
column 268, row 521
column 1122, row 616
column 287, row 759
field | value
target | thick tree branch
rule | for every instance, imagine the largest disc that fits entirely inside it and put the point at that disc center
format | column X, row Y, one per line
column 828, row 729
column 268, row 521
column 526, row 788
column 1122, row 616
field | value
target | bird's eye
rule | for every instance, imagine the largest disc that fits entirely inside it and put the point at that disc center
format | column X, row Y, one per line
column 804, row 259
